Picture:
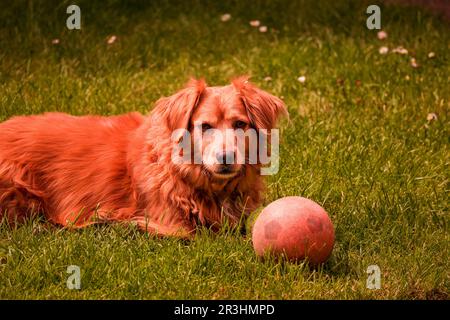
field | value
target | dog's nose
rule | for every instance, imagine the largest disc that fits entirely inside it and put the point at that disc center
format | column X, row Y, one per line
column 225, row 157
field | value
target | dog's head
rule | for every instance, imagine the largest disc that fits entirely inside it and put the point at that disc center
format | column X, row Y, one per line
column 216, row 124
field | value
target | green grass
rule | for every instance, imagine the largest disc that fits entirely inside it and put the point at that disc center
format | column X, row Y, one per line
column 362, row 149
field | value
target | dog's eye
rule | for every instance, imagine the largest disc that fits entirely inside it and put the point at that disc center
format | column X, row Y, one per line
column 240, row 124
column 206, row 126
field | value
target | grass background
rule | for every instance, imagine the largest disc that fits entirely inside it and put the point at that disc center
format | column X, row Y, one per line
column 359, row 142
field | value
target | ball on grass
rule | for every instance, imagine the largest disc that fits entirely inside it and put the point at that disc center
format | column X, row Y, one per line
column 295, row 227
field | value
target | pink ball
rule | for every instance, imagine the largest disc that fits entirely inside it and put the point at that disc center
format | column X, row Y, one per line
column 295, row 227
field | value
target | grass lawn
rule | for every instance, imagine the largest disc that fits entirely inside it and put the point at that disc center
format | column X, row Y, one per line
column 358, row 142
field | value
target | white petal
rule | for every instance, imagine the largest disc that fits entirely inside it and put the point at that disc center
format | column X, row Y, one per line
column 382, row 35
column 112, row 39
column 225, row 17
column 383, row 50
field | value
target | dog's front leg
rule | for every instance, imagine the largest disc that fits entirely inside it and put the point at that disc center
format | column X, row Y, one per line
column 162, row 229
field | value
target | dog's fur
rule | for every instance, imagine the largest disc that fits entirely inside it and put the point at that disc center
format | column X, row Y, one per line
column 83, row 170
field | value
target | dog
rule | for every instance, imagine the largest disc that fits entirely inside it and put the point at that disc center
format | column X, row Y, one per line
column 77, row 171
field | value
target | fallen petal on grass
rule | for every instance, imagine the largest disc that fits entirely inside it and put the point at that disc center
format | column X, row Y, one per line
column 301, row 79
column 111, row 39
column 382, row 35
column 432, row 116
column 267, row 79
column 400, row 50
column 431, row 55
column 55, row 41
column 225, row 17
column 383, row 50
column 263, row 29
column 255, row 23
column 414, row 63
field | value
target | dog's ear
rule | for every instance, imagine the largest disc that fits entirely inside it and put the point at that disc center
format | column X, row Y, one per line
column 176, row 111
column 263, row 109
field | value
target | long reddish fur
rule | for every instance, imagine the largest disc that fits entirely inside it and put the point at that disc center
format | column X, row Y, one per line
column 83, row 170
